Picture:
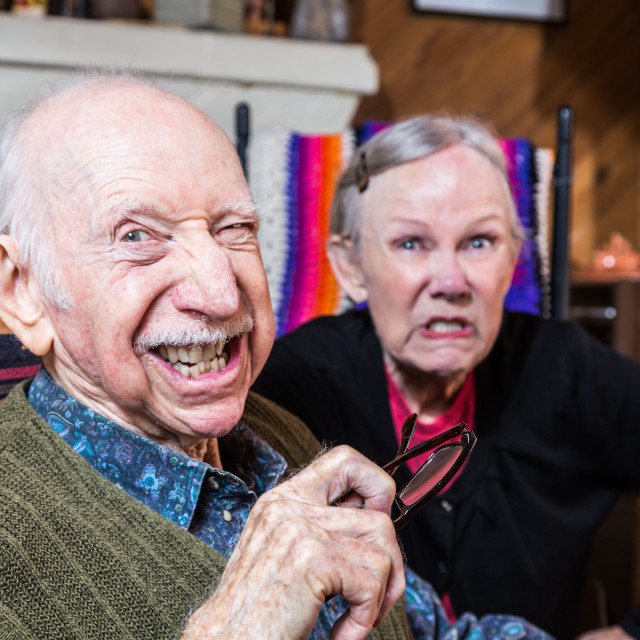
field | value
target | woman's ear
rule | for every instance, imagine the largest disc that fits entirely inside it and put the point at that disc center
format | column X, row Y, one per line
column 21, row 301
column 346, row 268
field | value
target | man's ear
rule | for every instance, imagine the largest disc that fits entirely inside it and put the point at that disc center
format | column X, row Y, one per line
column 346, row 268
column 21, row 301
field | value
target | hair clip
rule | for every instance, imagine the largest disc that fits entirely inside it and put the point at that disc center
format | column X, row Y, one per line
column 362, row 173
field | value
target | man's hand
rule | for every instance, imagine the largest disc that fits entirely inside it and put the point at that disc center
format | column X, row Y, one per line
column 606, row 633
column 296, row 550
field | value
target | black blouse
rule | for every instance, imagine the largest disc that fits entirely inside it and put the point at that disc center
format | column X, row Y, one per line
column 558, row 426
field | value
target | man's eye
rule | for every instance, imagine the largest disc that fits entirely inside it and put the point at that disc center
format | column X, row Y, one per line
column 237, row 231
column 138, row 235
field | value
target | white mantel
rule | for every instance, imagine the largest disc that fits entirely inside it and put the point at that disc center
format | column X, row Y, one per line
column 306, row 86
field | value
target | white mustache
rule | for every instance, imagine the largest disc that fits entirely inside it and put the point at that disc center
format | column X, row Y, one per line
column 201, row 334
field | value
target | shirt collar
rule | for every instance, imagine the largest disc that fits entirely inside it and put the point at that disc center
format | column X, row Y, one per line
column 164, row 479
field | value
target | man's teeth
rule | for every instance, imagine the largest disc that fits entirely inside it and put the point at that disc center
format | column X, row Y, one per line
column 444, row 326
column 194, row 361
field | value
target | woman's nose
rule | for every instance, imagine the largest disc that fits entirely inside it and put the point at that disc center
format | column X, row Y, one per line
column 208, row 285
column 448, row 276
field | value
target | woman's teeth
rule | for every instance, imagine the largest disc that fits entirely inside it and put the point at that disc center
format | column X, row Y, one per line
column 444, row 326
column 193, row 361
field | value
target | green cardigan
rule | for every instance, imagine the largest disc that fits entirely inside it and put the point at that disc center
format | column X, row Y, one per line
column 80, row 558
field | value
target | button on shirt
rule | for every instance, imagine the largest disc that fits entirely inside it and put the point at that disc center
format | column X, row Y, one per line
column 214, row 504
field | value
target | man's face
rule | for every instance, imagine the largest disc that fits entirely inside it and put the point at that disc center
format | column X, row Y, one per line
column 436, row 260
column 157, row 249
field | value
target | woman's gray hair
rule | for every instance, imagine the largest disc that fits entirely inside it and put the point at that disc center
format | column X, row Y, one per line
column 25, row 210
column 406, row 141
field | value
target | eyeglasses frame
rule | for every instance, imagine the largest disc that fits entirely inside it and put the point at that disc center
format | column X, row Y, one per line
column 438, row 443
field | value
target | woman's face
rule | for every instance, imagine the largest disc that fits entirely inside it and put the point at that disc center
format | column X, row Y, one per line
column 436, row 260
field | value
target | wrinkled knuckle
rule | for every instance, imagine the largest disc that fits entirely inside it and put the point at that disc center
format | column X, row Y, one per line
column 370, row 585
column 265, row 502
column 304, row 547
column 309, row 552
column 275, row 509
column 293, row 531
column 343, row 453
column 398, row 587
column 376, row 583
column 381, row 557
column 273, row 513
column 390, row 483
column 382, row 523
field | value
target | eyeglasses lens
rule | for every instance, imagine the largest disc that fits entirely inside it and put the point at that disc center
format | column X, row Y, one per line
column 431, row 472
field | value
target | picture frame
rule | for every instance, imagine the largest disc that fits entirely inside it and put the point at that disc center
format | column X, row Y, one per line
column 530, row 10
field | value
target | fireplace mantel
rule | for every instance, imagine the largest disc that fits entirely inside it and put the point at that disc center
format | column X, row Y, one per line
column 312, row 87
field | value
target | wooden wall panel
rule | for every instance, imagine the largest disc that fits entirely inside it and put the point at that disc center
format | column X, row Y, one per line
column 516, row 74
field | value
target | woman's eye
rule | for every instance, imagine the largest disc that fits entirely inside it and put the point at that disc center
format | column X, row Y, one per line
column 481, row 242
column 409, row 244
column 138, row 235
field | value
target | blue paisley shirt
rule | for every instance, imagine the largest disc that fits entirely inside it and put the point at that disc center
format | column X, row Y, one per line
column 214, row 504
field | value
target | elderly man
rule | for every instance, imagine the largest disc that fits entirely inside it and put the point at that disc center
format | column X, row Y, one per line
column 137, row 475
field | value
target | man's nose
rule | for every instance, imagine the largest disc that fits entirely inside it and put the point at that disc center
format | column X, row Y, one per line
column 208, row 284
column 448, row 276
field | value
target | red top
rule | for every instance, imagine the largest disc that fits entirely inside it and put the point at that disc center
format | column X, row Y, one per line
column 462, row 410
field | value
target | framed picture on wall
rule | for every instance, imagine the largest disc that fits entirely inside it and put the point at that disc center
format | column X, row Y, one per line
column 537, row 10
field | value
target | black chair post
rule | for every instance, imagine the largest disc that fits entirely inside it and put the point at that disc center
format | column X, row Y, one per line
column 561, row 248
column 242, row 134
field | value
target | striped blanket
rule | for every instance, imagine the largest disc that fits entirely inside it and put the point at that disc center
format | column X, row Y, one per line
column 16, row 363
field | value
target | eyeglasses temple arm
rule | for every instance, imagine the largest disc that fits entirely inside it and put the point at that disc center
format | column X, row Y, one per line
column 432, row 443
column 406, row 432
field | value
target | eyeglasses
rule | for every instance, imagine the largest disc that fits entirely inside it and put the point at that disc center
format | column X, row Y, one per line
column 434, row 475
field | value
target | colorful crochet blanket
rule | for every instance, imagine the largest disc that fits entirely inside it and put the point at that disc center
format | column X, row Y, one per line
column 292, row 177
column 16, row 363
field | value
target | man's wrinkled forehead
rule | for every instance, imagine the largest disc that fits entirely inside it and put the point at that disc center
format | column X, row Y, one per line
column 111, row 117
column 108, row 103
column 82, row 140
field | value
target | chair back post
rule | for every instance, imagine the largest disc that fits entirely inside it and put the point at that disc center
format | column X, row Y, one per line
column 561, row 248
column 242, row 134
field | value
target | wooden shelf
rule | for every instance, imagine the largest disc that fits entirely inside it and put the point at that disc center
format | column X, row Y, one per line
column 588, row 277
column 607, row 304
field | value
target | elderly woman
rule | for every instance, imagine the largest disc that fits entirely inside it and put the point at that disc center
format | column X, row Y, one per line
column 424, row 231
